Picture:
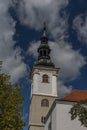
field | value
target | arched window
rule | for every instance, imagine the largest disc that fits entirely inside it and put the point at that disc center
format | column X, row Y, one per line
column 45, row 78
column 45, row 103
column 40, row 52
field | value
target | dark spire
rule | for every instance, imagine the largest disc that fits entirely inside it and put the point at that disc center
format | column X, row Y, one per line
column 44, row 35
column 44, row 51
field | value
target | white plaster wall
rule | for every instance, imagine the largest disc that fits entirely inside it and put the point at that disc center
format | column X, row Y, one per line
column 39, row 87
column 54, row 85
column 45, row 87
column 35, row 83
column 62, row 119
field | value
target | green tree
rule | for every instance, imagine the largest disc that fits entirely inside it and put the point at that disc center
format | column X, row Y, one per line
column 10, row 105
column 79, row 110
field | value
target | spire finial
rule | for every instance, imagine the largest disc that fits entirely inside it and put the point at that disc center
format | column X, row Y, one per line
column 44, row 25
column 44, row 29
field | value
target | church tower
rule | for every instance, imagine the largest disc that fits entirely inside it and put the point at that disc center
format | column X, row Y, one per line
column 43, row 85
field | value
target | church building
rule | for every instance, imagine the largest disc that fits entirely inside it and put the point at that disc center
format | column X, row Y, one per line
column 59, row 118
column 44, row 85
column 46, row 109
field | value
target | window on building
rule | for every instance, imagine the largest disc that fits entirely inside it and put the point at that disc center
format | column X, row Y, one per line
column 43, row 119
column 45, row 103
column 45, row 78
column 45, row 52
column 40, row 52
column 49, row 126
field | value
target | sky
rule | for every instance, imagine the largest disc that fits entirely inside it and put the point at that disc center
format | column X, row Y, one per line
column 21, row 25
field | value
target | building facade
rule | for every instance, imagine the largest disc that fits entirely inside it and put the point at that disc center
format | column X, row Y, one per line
column 43, row 85
column 59, row 118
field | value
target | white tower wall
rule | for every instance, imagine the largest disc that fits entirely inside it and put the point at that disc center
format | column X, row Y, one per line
column 42, row 88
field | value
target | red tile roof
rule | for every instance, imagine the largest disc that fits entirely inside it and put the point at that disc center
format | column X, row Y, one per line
column 76, row 95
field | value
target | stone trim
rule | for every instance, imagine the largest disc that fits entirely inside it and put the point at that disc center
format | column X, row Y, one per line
column 35, row 124
column 42, row 68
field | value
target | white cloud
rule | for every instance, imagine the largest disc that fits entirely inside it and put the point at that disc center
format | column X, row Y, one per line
column 32, row 50
column 68, row 60
column 62, row 89
column 80, row 25
column 12, row 60
column 34, row 12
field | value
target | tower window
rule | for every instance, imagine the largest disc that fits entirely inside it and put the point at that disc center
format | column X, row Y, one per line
column 41, row 53
column 43, row 119
column 45, row 103
column 45, row 52
column 45, row 78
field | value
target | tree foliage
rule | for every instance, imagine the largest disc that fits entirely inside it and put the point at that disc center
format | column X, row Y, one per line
column 10, row 105
column 80, row 110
